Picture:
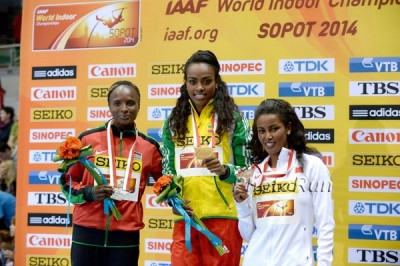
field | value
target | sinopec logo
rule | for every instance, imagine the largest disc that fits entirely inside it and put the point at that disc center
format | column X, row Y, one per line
column 53, row 114
column 375, row 64
column 306, row 66
column 374, row 208
column 374, row 136
column 161, row 91
column 374, row 112
column 53, row 93
column 48, row 241
column 315, row 112
column 374, row 184
column 374, row 232
column 55, row 72
column 112, row 71
column 98, row 114
column 155, row 245
column 375, row 160
column 47, row 260
column 243, row 67
column 50, row 134
column 320, row 135
column 306, row 89
column 374, row 256
column 49, row 219
column 374, row 88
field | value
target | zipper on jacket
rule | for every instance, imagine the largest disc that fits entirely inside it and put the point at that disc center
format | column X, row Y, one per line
column 220, row 192
column 120, row 142
column 106, row 233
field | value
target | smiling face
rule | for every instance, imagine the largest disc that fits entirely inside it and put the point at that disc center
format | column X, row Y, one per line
column 124, row 104
column 272, row 134
column 201, row 84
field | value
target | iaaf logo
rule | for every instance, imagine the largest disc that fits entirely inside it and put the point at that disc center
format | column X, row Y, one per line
column 54, row 72
column 155, row 133
column 41, row 156
column 320, row 135
column 374, row 208
column 374, row 136
column 374, row 88
column 158, row 113
column 48, row 241
column 112, row 71
column 49, row 219
column 152, row 204
column 98, row 114
column 374, row 112
column 315, row 112
column 374, row 184
column 306, row 66
column 374, row 232
column 243, row 67
column 37, row 198
column 50, row 134
column 374, row 256
column 155, row 245
column 156, row 263
column 53, row 93
column 161, row 91
column 44, row 177
column 248, row 111
column 306, row 89
column 243, row 90
column 375, row 64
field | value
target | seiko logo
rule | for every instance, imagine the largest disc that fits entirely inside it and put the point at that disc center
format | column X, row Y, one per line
column 56, row 72
column 315, row 112
column 374, row 136
column 383, row 160
column 296, row 66
column 374, row 256
column 375, row 64
column 160, row 223
column 374, row 112
column 52, row 114
column 374, row 208
column 319, row 135
column 98, row 93
column 306, row 89
column 53, row 93
column 374, row 88
column 48, row 241
column 48, row 260
column 47, row 219
column 156, row 91
column 112, row 71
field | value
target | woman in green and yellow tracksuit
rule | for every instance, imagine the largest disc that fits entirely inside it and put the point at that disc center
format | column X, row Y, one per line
column 205, row 141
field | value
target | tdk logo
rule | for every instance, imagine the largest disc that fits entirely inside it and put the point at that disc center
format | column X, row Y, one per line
column 374, row 112
column 375, row 64
column 44, row 177
column 374, row 208
column 319, row 135
column 247, row 89
column 248, row 111
column 306, row 89
column 374, row 232
column 306, row 66
column 41, row 156
column 158, row 113
column 374, row 88
column 56, row 72
column 155, row 133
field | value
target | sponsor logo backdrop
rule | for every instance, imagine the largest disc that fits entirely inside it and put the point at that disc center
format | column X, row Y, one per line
column 337, row 62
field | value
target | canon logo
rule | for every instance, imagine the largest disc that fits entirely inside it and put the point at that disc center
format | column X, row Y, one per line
column 319, row 135
column 53, row 93
column 374, row 136
column 56, row 72
column 48, row 241
column 112, row 71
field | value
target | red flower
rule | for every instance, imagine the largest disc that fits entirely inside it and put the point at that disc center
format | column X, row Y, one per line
column 70, row 148
column 161, row 183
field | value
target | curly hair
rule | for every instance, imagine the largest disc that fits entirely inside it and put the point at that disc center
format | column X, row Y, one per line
column 224, row 105
column 296, row 139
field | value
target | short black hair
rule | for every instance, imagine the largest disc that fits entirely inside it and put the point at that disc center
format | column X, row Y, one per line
column 4, row 146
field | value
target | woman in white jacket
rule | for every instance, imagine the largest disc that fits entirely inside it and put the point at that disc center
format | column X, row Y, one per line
column 288, row 193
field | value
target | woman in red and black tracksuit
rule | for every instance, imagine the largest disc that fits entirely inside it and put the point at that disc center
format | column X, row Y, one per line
column 100, row 239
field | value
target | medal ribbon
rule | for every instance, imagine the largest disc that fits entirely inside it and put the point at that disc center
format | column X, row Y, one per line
column 275, row 174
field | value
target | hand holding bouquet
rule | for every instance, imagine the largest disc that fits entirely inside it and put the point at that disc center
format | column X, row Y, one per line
column 71, row 152
column 168, row 189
